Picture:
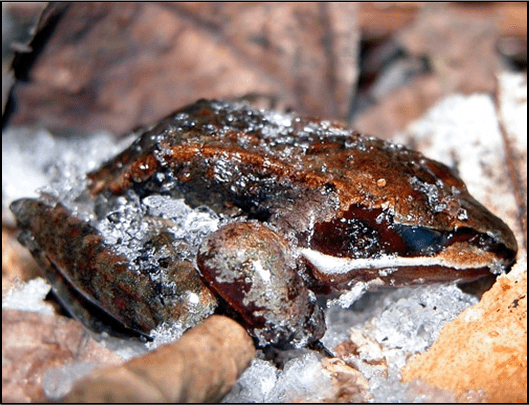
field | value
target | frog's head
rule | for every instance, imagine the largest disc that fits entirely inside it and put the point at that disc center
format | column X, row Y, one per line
column 417, row 225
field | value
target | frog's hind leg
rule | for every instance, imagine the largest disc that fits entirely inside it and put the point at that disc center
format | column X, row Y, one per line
column 91, row 315
column 45, row 230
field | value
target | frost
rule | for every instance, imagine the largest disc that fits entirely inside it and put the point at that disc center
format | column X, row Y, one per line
column 123, row 226
column 302, row 379
column 29, row 297
column 462, row 214
column 191, row 225
column 255, row 384
column 37, row 160
column 432, row 194
column 277, row 123
column 414, row 321
column 23, row 169
column 391, row 325
column 58, row 382
column 165, row 333
column 348, row 298
column 131, row 221
column 392, row 390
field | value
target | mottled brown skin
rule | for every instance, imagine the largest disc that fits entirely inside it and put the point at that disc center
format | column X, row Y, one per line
column 319, row 185
column 350, row 165
column 334, row 178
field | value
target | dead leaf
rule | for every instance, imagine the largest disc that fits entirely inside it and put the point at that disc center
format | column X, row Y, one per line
column 115, row 66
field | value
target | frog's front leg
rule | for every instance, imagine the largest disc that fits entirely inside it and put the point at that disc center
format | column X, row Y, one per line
column 253, row 270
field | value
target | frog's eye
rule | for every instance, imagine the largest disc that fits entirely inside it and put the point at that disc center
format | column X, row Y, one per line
column 421, row 239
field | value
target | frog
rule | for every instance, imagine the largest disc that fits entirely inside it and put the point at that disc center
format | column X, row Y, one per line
column 306, row 208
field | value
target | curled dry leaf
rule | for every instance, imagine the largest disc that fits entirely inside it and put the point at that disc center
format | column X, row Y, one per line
column 201, row 366
column 351, row 384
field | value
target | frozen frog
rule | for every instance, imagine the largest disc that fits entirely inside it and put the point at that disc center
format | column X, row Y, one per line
column 299, row 207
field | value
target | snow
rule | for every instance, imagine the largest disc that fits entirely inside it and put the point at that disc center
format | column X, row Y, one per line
column 302, row 379
column 29, row 297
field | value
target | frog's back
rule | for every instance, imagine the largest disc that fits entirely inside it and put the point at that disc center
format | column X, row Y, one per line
column 231, row 145
column 298, row 173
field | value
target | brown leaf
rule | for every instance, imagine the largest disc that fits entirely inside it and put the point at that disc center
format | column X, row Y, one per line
column 34, row 343
column 120, row 65
column 201, row 366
